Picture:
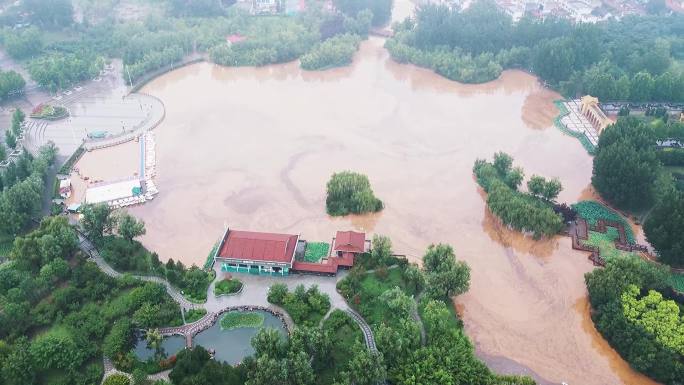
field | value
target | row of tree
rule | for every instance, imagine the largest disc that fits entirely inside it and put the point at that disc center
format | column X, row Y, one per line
column 627, row 173
column 334, row 52
column 530, row 212
column 629, row 59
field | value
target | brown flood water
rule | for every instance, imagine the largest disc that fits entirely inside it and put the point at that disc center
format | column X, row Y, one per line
column 253, row 148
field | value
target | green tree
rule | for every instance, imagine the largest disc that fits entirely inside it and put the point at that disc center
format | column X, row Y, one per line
column 119, row 339
column 415, row 279
column 18, row 368
column 445, row 276
column 268, row 342
column 663, row 227
column 365, row 367
column 381, row 251
column 140, row 377
column 10, row 139
column 350, row 193
column 129, row 227
column 625, row 165
column 642, row 86
column 97, row 221
column 277, row 293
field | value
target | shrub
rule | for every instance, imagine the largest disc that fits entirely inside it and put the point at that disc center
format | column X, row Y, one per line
column 350, row 193
column 227, row 286
column 334, row 52
column 117, row 379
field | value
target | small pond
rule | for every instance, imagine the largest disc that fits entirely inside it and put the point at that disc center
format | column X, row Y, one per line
column 171, row 346
column 234, row 345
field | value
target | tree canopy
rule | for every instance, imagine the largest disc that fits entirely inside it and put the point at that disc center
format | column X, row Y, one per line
column 626, row 166
column 350, row 193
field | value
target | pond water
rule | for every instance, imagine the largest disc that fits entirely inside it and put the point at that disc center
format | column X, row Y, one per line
column 234, row 345
column 253, row 148
column 171, row 346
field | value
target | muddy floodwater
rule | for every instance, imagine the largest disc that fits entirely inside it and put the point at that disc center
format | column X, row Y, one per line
column 252, row 148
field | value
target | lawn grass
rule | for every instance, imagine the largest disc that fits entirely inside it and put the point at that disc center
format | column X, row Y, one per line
column 606, row 244
column 315, row 251
column 592, row 211
column 193, row 315
column 240, row 319
column 227, row 286
column 372, row 288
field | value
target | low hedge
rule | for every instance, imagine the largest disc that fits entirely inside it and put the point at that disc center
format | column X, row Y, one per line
column 592, row 211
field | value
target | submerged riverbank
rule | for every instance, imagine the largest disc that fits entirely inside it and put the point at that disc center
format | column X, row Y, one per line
column 237, row 153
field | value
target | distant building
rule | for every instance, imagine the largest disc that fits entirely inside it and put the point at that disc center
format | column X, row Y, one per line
column 592, row 111
column 265, row 7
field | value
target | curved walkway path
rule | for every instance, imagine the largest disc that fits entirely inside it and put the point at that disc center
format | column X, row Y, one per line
column 253, row 295
column 88, row 248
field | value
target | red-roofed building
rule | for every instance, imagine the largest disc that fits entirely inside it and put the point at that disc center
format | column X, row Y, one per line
column 274, row 254
column 253, row 252
column 350, row 242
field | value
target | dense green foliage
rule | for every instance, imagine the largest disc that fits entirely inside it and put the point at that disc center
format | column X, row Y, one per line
column 521, row 211
column 385, row 299
column 22, row 185
column 625, row 165
column 11, row 84
column 381, row 9
column 633, row 58
column 592, row 211
column 60, row 313
column 334, row 52
column 128, row 255
column 446, row 277
column 267, row 41
column 306, row 306
column 664, row 227
column 227, row 286
column 656, row 315
column 241, row 319
column 22, row 44
column 622, row 297
column 195, row 366
column 61, row 70
column 350, row 193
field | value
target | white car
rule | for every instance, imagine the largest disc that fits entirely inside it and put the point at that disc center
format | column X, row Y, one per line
column 97, row 79
column 68, row 92
column 57, row 97
column 78, row 88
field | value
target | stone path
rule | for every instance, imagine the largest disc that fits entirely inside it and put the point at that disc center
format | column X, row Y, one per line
column 253, row 296
column 88, row 248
